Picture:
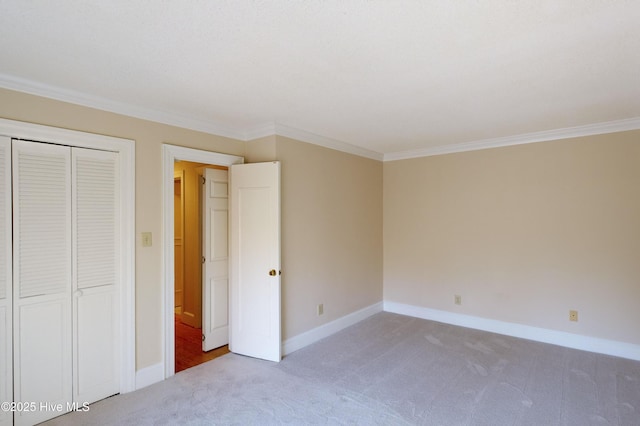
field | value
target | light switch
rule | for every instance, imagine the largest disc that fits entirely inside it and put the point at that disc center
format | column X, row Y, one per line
column 146, row 239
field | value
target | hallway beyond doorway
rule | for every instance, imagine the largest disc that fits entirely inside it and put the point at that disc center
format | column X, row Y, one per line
column 188, row 346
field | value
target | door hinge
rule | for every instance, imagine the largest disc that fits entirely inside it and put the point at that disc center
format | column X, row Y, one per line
column 203, row 337
column 203, row 179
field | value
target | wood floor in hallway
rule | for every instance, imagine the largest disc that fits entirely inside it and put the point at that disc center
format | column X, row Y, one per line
column 189, row 347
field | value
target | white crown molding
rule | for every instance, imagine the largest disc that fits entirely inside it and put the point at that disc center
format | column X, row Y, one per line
column 544, row 136
column 267, row 129
column 270, row 129
column 304, row 136
column 79, row 98
column 554, row 337
column 312, row 138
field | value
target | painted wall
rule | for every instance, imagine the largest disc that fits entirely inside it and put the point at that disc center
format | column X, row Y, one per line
column 522, row 233
column 149, row 137
column 331, row 234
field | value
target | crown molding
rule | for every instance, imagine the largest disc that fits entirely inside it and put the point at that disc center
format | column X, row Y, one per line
column 273, row 128
column 164, row 117
column 267, row 129
column 312, row 138
column 544, row 136
column 304, row 136
column 79, row 98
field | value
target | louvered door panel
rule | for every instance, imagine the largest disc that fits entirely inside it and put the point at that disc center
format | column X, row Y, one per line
column 42, row 276
column 6, row 363
column 96, row 217
column 96, row 274
column 43, row 231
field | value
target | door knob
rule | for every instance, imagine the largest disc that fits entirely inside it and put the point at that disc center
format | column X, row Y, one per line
column 272, row 272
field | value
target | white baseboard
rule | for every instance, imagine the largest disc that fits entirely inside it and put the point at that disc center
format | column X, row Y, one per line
column 560, row 338
column 308, row 337
column 149, row 375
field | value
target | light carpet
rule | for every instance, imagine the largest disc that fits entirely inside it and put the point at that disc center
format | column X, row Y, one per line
column 391, row 370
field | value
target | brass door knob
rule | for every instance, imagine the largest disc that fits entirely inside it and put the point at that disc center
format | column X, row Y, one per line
column 272, row 272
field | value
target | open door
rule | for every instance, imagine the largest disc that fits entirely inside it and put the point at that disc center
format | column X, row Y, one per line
column 215, row 269
column 255, row 260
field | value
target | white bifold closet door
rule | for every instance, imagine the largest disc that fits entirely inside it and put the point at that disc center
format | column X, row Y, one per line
column 65, row 274
column 6, row 363
column 96, row 274
column 42, row 277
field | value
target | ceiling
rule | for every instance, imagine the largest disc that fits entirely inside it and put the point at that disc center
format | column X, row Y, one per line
column 383, row 78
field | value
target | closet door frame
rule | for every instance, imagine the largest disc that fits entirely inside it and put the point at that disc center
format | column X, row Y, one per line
column 6, row 302
column 126, row 154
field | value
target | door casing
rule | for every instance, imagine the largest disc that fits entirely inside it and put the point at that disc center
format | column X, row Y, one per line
column 126, row 150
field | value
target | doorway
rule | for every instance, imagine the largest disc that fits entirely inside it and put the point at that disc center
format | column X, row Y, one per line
column 172, row 155
column 190, row 227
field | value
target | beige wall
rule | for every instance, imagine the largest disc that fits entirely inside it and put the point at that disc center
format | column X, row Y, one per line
column 331, row 231
column 522, row 233
column 263, row 149
column 149, row 138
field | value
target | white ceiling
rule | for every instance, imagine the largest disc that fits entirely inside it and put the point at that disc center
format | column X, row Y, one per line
column 389, row 77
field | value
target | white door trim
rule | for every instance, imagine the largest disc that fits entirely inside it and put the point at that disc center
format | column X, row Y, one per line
column 171, row 154
column 126, row 150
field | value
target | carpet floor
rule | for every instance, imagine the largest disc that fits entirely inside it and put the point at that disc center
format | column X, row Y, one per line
column 391, row 370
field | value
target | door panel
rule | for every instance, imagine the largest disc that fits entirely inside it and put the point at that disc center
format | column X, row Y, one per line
column 43, row 356
column 42, row 276
column 6, row 362
column 96, row 349
column 178, row 243
column 96, row 363
column 42, row 208
column 255, row 260
column 95, row 218
column 215, row 271
column 47, row 318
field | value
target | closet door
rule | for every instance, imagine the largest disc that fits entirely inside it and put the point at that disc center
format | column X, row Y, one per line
column 6, row 364
column 42, row 277
column 96, row 275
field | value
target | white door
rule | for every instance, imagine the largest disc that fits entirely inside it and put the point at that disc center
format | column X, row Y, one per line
column 42, row 277
column 215, row 270
column 96, row 274
column 6, row 348
column 255, row 260
column 66, row 277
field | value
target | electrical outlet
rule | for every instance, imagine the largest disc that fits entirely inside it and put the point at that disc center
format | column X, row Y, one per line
column 457, row 299
column 146, row 239
column 573, row 315
column 320, row 309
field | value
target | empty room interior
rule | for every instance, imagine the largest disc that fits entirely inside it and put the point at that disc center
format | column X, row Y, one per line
column 452, row 235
